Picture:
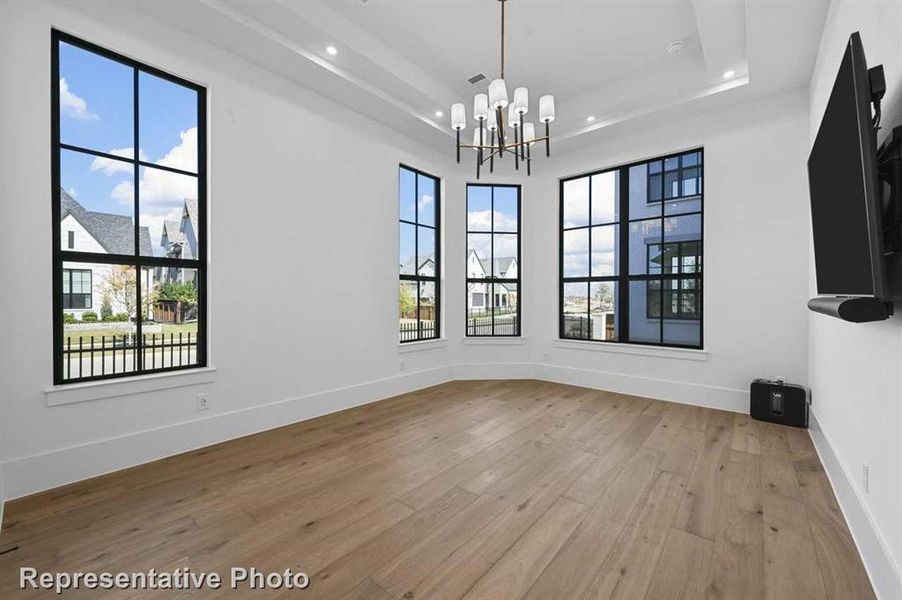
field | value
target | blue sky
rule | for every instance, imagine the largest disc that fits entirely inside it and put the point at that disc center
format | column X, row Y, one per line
column 96, row 112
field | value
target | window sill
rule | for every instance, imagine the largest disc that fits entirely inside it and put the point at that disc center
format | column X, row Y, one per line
column 424, row 345
column 494, row 341
column 59, row 395
column 635, row 349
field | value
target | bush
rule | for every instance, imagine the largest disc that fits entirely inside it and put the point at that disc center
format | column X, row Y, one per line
column 89, row 316
column 121, row 317
column 69, row 318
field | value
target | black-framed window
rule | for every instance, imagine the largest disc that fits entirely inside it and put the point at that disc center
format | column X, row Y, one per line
column 493, row 260
column 419, row 263
column 631, row 253
column 129, row 153
column 77, row 289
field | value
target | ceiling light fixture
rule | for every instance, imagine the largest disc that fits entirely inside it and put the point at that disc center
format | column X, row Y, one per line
column 439, row 113
column 490, row 138
column 332, row 50
column 729, row 74
column 590, row 118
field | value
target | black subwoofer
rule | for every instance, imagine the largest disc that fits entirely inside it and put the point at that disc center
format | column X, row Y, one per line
column 779, row 402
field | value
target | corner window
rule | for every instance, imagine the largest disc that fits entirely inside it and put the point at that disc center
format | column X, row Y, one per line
column 419, row 231
column 493, row 260
column 128, row 161
column 631, row 253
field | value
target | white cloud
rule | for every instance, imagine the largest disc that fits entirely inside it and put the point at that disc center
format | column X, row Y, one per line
column 161, row 191
column 111, row 166
column 184, row 155
column 481, row 220
column 74, row 106
column 155, row 224
column 425, row 201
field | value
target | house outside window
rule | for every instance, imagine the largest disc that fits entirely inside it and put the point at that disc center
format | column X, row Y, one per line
column 493, row 260
column 419, row 243
column 126, row 302
column 631, row 253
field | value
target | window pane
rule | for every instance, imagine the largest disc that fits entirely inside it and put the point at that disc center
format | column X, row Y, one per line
column 603, row 310
column 407, row 310
column 504, row 299
column 506, row 215
column 645, row 239
column 576, row 324
column 96, row 102
column 576, row 202
column 691, row 257
column 479, row 317
column 671, row 164
column 605, row 251
column 407, row 249
column 168, row 123
column 576, row 253
column 99, row 323
column 506, row 260
column 96, row 204
column 691, row 200
column 479, row 208
column 426, row 200
column 691, row 159
column 671, row 184
column 644, row 192
column 605, row 197
column 407, row 195
column 171, row 311
column 645, row 311
column 426, row 251
column 683, row 229
column 427, row 312
column 167, row 197
column 479, row 255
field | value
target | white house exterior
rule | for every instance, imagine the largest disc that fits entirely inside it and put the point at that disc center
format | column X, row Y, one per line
column 82, row 230
column 478, row 294
column 179, row 240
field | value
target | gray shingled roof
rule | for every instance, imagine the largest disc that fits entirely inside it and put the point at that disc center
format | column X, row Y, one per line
column 501, row 264
column 116, row 233
column 172, row 230
column 407, row 267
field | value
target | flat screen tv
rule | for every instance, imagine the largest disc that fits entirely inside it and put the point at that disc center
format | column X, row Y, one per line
column 846, row 205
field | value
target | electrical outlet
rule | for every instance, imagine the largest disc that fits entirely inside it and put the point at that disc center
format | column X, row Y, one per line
column 203, row 401
column 865, row 477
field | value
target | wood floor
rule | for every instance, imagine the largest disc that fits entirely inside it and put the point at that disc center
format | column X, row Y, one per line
column 486, row 489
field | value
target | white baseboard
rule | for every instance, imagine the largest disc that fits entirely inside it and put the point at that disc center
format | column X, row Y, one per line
column 39, row 472
column 710, row 396
column 885, row 573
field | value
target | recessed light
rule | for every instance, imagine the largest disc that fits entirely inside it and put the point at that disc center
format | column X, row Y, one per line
column 590, row 118
column 332, row 50
column 439, row 113
column 675, row 47
column 729, row 74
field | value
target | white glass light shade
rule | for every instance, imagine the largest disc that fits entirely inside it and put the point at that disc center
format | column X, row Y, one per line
column 458, row 116
column 498, row 93
column 513, row 119
column 521, row 100
column 546, row 109
column 529, row 132
column 481, row 107
column 485, row 137
column 492, row 123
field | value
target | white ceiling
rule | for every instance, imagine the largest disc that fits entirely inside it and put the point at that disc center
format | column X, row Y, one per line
column 399, row 61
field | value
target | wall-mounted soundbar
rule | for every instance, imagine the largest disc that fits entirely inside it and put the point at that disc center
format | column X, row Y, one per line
column 852, row 309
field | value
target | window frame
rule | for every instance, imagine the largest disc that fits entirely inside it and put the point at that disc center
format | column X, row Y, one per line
column 70, row 294
column 623, row 278
column 62, row 256
column 416, row 277
column 490, row 281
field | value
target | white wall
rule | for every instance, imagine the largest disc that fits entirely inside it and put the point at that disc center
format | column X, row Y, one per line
column 756, row 265
column 856, row 370
column 312, row 189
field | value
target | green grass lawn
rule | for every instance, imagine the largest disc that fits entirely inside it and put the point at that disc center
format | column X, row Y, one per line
column 85, row 334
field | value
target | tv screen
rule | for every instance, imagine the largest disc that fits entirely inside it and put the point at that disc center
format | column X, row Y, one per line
column 842, row 176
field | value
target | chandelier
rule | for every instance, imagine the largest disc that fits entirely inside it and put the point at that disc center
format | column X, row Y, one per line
column 491, row 138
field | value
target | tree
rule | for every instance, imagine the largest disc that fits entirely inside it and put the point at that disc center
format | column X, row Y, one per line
column 184, row 294
column 407, row 301
column 120, row 286
column 106, row 308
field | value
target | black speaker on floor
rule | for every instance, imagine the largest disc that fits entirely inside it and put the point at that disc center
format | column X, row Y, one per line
column 779, row 402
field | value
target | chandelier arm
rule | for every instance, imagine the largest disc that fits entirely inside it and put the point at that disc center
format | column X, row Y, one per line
column 547, row 140
column 522, row 147
column 528, row 160
column 502, row 37
column 492, row 155
column 500, row 120
column 458, row 146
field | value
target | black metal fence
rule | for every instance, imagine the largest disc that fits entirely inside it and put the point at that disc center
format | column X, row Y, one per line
column 577, row 327
column 95, row 356
column 409, row 330
column 507, row 324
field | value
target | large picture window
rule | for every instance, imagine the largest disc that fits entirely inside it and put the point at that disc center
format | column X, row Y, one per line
column 129, row 216
column 419, row 241
column 631, row 253
column 493, row 260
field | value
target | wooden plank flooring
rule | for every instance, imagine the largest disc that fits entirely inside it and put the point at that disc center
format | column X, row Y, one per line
column 488, row 489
